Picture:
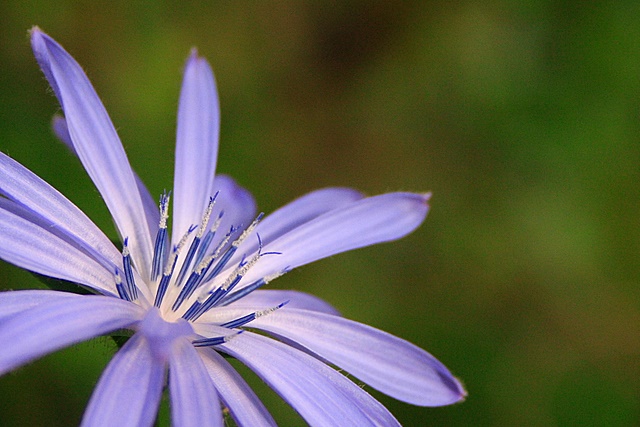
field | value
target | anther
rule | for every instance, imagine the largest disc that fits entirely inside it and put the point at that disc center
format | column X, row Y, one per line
column 160, row 246
column 122, row 292
column 192, row 282
column 168, row 271
column 246, row 290
column 129, row 281
column 204, row 246
column 196, row 240
column 208, row 342
column 216, row 296
column 248, row 230
column 241, row 321
column 225, row 257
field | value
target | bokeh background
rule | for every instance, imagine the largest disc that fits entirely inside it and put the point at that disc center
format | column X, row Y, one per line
column 523, row 118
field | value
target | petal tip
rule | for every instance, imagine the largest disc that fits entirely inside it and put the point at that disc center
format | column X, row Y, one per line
column 34, row 30
column 462, row 392
column 195, row 58
column 455, row 385
column 196, row 63
column 37, row 36
column 39, row 45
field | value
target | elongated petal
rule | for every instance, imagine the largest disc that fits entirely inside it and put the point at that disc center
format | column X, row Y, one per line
column 364, row 222
column 194, row 400
column 129, row 390
column 91, row 268
column 196, row 145
column 59, row 125
column 26, row 214
column 97, row 144
column 304, row 209
column 385, row 362
column 245, row 407
column 12, row 302
column 321, row 395
column 59, row 323
column 298, row 212
column 150, row 205
column 36, row 249
column 27, row 189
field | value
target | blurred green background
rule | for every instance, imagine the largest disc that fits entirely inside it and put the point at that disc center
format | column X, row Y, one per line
column 521, row 117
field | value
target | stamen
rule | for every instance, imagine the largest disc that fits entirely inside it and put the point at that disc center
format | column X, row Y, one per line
column 240, row 271
column 234, row 247
column 207, row 239
column 237, row 274
column 192, row 283
column 160, row 247
column 243, row 267
column 207, row 342
column 196, row 240
column 207, row 215
column 241, row 321
column 212, row 299
column 225, row 258
column 162, row 288
column 132, row 289
column 233, row 279
column 122, row 292
column 248, row 230
column 176, row 251
column 208, row 263
column 168, row 271
column 229, row 298
column 188, row 315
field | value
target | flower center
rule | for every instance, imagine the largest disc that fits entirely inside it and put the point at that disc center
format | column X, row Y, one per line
column 161, row 334
column 188, row 282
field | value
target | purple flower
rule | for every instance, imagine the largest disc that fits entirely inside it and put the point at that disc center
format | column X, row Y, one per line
column 189, row 297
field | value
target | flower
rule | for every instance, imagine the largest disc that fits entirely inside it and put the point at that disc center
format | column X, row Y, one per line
column 189, row 298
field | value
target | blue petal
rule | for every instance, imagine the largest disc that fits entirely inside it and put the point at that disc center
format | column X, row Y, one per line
column 129, row 390
column 304, row 209
column 299, row 212
column 361, row 223
column 196, row 145
column 61, row 130
column 37, row 249
column 27, row 189
column 194, row 400
column 321, row 395
column 97, row 144
column 245, row 407
column 12, row 302
column 58, row 323
column 385, row 362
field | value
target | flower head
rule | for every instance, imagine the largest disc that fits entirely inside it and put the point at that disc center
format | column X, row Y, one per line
column 192, row 292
